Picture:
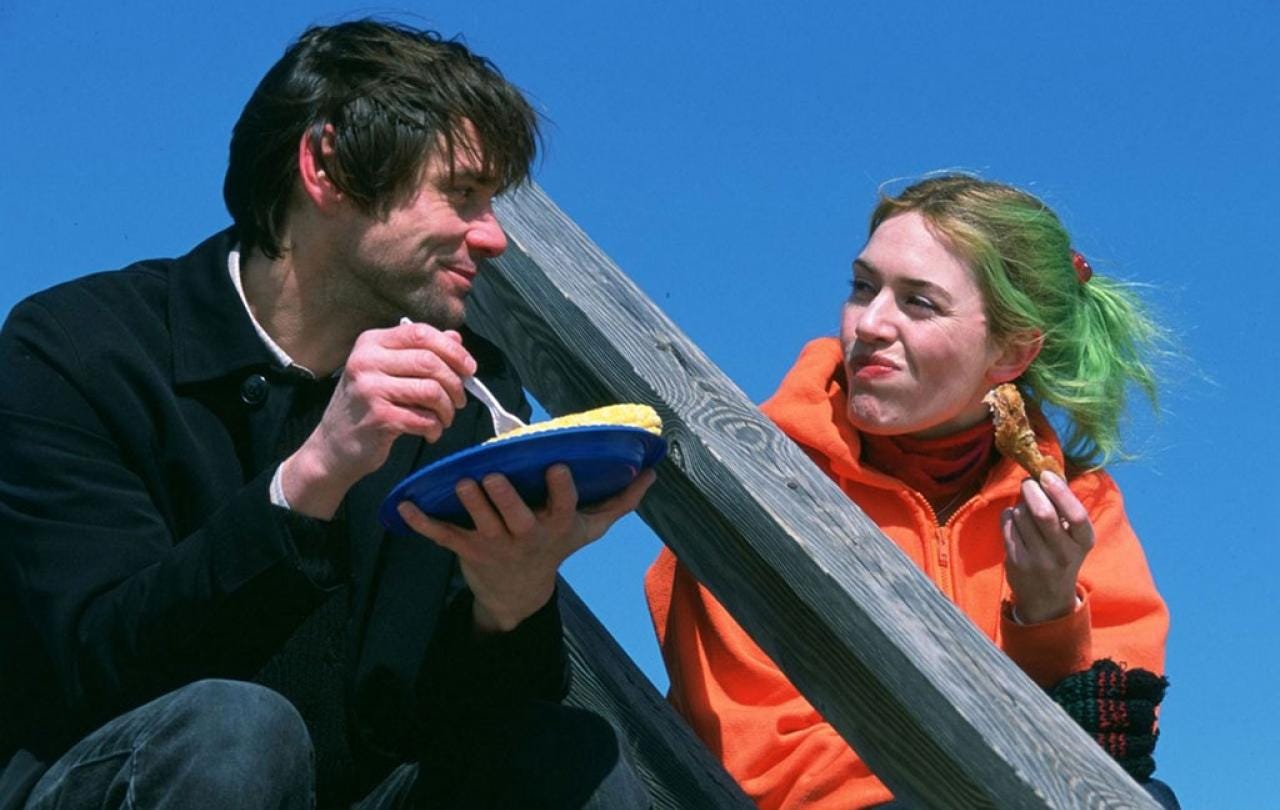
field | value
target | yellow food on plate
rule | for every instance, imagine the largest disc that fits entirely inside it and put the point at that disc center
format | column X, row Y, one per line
column 628, row 414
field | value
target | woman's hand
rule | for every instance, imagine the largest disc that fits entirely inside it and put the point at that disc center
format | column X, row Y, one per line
column 1046, row 538
column 511, row 557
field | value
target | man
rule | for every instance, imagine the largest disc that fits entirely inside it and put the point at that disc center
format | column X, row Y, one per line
column 197, row 599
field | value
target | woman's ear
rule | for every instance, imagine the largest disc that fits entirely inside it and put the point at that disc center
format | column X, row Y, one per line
column 1018, row 352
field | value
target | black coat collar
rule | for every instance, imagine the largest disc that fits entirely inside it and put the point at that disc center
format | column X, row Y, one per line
column 212, row 334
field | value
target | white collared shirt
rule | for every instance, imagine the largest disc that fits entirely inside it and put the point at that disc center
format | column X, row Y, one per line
column 282, row 358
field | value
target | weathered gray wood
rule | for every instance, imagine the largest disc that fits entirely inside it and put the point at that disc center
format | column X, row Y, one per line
column 680, row 772
column 939, row 713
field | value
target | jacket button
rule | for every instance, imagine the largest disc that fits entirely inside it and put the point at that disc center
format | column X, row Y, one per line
column 254, row 389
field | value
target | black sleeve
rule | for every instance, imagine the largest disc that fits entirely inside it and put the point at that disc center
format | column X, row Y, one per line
column 468, row 672
column 104, row 602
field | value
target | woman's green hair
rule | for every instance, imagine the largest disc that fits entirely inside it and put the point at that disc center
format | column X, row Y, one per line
column 1098, row 337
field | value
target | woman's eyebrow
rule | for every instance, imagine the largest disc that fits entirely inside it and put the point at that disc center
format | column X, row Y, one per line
column 913, row 284
column 865, row 266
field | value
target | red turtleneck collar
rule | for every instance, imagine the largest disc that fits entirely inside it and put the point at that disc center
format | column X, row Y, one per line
column 942, row 469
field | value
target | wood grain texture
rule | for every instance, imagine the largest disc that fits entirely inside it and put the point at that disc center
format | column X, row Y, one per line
column 680, row 772
column 945, row 718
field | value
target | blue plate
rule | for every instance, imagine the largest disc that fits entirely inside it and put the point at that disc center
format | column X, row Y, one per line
column 602, row 458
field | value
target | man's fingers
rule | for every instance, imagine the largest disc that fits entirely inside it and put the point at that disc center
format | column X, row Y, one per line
column 425, row 336
column 374, row 369
column 413, row 421
column 420, row 364
column 498, row 511
column 425, row 393
column 487, row 521
column 603, row 514
column 599, row 517
column 562, row 492
column 445, row 534
column 512, row 510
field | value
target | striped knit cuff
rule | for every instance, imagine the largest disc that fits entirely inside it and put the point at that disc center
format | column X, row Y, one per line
column 1117, row 707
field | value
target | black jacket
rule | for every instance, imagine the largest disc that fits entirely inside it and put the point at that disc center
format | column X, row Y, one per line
column 139, row 550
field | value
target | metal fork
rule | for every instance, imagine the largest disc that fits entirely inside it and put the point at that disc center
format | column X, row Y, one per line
column 503, row 420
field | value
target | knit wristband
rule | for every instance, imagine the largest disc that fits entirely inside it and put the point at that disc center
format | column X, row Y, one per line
column 1117, row 706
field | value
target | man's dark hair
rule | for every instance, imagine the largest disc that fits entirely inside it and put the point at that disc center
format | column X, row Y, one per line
column 393, row 95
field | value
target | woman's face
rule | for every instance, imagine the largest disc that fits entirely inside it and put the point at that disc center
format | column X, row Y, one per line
column 918, row 354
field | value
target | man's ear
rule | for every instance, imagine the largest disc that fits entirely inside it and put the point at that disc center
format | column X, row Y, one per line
column 1018, row 352
column 314, row 153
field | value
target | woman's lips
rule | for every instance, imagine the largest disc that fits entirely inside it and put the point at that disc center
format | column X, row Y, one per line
column 870, row 368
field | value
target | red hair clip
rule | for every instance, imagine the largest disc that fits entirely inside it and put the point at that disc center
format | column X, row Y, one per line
column 1083, row 271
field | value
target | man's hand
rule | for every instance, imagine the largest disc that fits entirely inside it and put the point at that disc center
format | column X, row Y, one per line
column 1046, row 538
column 403, row 380
column 511, row 557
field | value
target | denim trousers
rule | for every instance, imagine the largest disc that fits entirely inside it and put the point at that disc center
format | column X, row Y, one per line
column 231, row 744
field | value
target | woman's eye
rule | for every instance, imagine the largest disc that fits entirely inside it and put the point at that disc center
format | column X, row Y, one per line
column 861, row 290
column 920, row 302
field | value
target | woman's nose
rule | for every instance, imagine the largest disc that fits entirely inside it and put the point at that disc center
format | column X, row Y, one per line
column 874, row 322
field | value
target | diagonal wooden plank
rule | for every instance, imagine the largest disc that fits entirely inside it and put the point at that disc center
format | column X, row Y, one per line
column 681, row 773
column 940, row 714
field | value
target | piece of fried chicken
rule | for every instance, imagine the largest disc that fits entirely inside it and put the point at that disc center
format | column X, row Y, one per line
column 1014, row 437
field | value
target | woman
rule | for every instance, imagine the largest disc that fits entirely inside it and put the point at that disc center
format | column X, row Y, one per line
column 963, row 285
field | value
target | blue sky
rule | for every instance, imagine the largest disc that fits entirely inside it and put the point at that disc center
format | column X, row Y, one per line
column 726, row 157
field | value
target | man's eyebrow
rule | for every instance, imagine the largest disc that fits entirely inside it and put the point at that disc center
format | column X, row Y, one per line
column 469, row 175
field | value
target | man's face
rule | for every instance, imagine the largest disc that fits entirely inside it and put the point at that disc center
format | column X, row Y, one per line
column 419, row 261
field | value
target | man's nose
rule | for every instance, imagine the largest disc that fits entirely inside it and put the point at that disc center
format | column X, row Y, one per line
column 485, row 237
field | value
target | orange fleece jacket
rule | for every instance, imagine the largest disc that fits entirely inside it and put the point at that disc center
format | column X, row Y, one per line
column 746, row 710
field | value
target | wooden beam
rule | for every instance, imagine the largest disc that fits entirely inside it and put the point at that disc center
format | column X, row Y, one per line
column 679, row 770
column 940, row 714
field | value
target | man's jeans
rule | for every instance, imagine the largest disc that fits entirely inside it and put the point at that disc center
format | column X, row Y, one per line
column 209, row 744
column 221, row 744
